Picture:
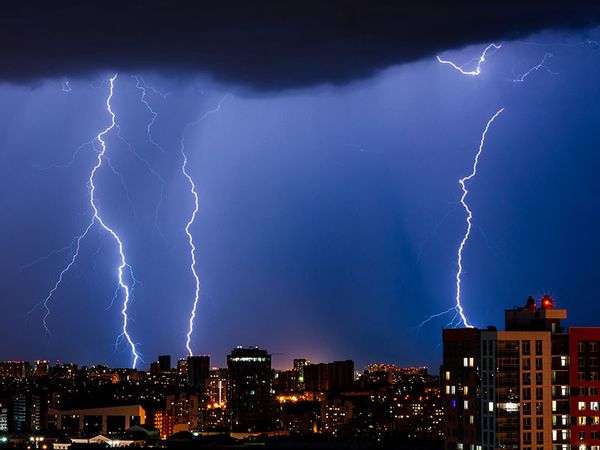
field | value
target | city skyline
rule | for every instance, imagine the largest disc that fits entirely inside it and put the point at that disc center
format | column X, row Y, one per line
column 65, row 404
column 531, row 384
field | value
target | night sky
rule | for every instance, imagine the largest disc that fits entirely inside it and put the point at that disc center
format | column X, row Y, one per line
column 329, row 215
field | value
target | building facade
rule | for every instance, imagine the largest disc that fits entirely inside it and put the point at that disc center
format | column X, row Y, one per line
column 532, row 386
column 584, row 405
column 250, row 395
column 198, row 371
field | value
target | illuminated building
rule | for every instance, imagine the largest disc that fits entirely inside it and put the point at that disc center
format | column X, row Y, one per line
column 26, row 412
column 508, row 389
column 584, row 347
column 185, row 411
column 299, row 365
column 335, row 415
column 163, row 422
column 421, row 417
column 4, row 415
column 216, row 390
column 215, row 412
column 65, row 371
column 182, row 366
column 41, row 368
column 15, row 369
column 19, row 413
column 250, row 396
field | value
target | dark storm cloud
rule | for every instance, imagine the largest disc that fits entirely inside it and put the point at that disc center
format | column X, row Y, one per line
column 259, row 44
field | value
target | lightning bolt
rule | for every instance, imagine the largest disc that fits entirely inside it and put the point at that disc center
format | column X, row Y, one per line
column 98, row 218
column 458, row 308
column 435, row 316
column 452, row 322
column 121, row 178
column 150, row 169
column 190, row 222
column 123, row 266
column 463, row 186
column 142, row 86
column 45, row 303
column 541, row 65
column 480, row 61
column 50, row 255
column 74, row 156
column 66, row 85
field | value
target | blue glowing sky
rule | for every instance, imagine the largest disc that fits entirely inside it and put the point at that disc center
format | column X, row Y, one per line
column 328, row 219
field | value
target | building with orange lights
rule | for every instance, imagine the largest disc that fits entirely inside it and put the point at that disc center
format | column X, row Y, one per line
column 164, row 423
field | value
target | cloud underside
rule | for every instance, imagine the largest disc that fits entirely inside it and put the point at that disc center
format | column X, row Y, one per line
column 260, row 45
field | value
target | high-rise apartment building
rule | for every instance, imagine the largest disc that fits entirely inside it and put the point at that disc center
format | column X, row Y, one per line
column 198, row 370
column 250, row 396
column 511, row 389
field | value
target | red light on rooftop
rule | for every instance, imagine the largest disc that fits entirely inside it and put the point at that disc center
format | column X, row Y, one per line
column 547, row 302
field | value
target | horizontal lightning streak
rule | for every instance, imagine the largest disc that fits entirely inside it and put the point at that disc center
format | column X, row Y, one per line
column 480, row 61
column 541, row 65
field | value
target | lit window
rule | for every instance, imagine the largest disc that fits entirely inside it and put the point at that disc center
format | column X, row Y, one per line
column 466, row 362
column 447, row 375
column 466, row 390
column 594, row 406
column 466, row 404
column 471, row 362
column 490, row 406
column 581, row 406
